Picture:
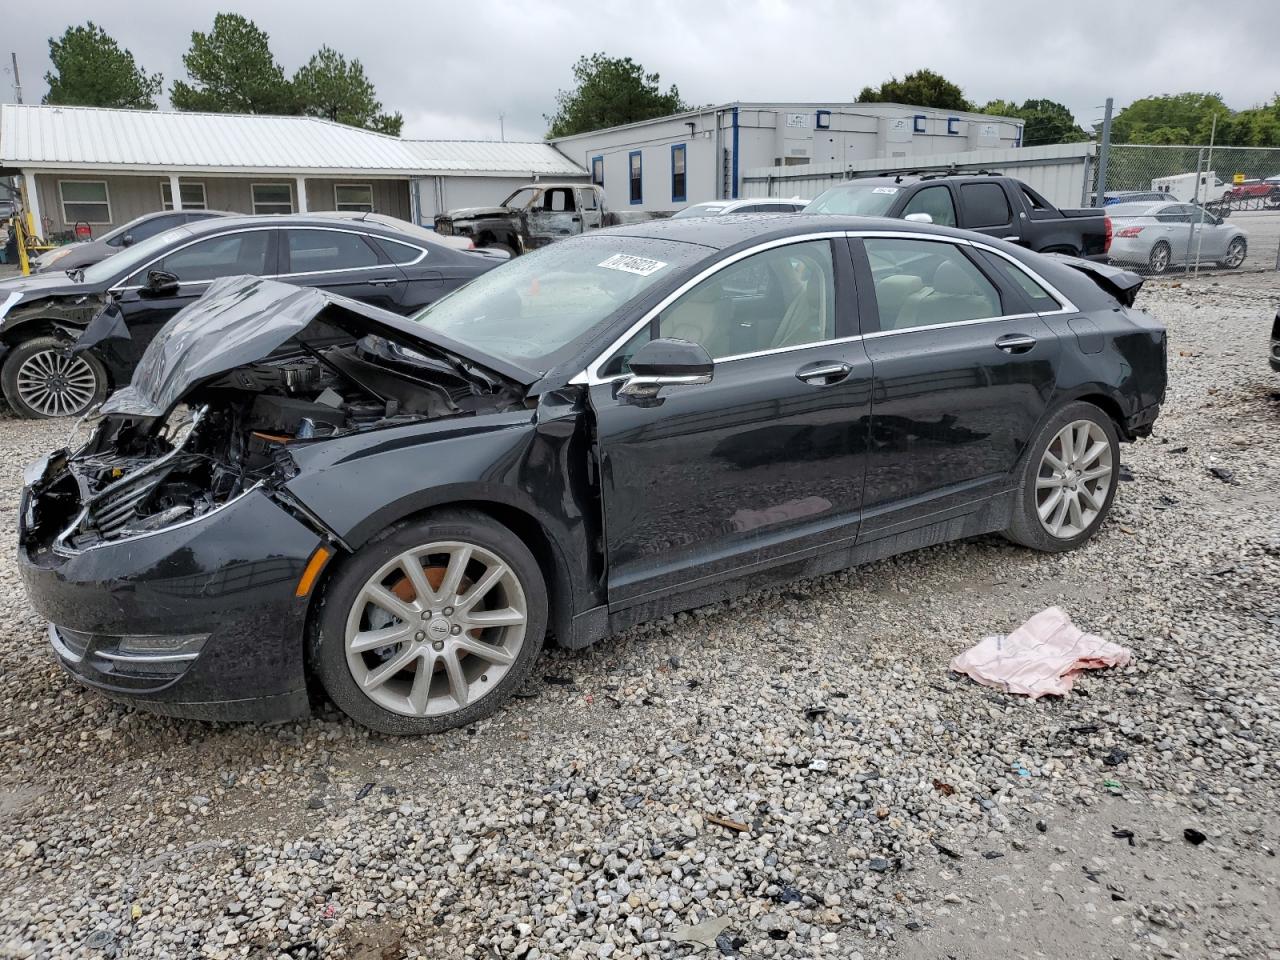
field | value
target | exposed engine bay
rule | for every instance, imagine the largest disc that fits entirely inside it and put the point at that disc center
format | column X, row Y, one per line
column 139, row 474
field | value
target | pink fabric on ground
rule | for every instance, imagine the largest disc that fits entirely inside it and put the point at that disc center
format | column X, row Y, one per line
column 1043, row 656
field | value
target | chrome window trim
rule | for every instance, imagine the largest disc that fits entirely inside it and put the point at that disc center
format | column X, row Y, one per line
column 276, row 276
column 591, row 377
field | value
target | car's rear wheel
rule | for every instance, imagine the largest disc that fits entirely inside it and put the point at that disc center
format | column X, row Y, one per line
column 1159, row 259
column 505, row 248
column 1067, row 481
column 40, row 380
column 1236, row 252
column 431, row 626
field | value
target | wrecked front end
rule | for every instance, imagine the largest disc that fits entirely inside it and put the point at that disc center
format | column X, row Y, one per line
column 166, row 552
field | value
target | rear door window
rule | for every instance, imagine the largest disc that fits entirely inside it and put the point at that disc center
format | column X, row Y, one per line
column 927, row 283
column 1041, row 300
column 985, row 205
column 315, row 251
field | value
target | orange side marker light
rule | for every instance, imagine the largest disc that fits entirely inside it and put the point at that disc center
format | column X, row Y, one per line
column 313, row 568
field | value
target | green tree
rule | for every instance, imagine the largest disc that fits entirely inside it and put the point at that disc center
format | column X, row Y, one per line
column 331, row 87
column 232, row 70
column 1044, row 121
column 608, row 91
column 1166, row 118
column 923, row 88
column 91, row 70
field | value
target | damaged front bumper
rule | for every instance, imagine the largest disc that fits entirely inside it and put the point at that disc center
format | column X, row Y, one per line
column 197, row 620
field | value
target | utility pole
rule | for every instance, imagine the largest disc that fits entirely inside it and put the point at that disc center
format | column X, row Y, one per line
column 1104, row 155
column 502, row 127
column 17, row 80
column 1200, row 214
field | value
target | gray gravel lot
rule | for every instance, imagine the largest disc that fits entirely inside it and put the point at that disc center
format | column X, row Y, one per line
column 587, row 819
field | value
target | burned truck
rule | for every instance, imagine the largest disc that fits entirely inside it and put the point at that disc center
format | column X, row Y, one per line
column 535, row 215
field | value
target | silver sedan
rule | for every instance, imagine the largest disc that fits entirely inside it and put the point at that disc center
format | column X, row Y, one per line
column 1158, row 236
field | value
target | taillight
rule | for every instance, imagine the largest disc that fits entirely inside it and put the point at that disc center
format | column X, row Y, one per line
column 1129, row 232
column 1106, row 243
column 471, row 245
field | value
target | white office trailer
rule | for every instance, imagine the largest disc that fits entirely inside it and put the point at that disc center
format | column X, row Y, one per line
column 670, row 162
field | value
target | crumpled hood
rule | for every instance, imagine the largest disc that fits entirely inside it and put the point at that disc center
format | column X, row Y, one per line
column 33, row 286
column 471, row 213
column 241, row 320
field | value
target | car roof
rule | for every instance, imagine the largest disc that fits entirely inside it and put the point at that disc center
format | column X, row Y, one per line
column 1140, row 208
column 373, row 222
column 731, row 229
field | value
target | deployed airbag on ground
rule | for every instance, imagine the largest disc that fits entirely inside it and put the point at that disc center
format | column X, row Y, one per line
column 1043, row 656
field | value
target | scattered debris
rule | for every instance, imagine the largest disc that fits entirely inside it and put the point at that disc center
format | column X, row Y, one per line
column 1043, row 656
column 1042, row 826
column 992, row 855
column 727, row 823
column 1114, row 787
column 1116, row 757
column 558, row 681
column 1164, row 502
column 812, row 713
column 789, row 895
column 946, row 851
column 1124, row 835
column 1178, row 449
column 364, row 791
column 729, row 946
column 704, row 933
column 878, row 864
column 945, row 789
column 1194, row 836
column 1124, row 474
column 1225, row 475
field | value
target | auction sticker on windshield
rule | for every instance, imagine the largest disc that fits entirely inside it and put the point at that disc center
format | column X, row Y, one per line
column 627, row 263
column 885, row 190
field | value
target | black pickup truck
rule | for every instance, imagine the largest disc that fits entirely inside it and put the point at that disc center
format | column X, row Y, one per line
column 986, row 203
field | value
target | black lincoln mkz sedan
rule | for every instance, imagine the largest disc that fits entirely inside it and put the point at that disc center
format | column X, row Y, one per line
column 297, row 487
column 131, row 295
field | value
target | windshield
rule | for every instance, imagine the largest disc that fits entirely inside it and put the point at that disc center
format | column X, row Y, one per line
column 130, row 258
column 520, row 199
column 699, row 210
column 854, row 199
column 529, row 310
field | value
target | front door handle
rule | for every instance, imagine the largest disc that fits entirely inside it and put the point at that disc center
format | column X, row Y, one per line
column 384, row 281
column 1016, row 343
column 823, row 374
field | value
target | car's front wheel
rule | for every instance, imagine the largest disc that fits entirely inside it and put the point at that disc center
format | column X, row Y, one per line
column 1160, row 258
column 1236, row 252
column 432, row 625
column 1067, row 480
column 40, row 379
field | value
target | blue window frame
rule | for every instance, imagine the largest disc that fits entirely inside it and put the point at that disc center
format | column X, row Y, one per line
column 678, row 178
column 822, row 120
column 635, row 170
column 951, row 126
column 917, row 123
column 597, row 171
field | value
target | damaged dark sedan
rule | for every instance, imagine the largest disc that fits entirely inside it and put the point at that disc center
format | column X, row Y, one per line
column 301, row 495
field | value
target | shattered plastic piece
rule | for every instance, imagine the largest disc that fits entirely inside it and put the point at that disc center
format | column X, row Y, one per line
column 1042, row 826
column 729, row 946
column 364, row 791
column 1114, row 786
column 704, row 933
column 992, row 855
column 1043, row 656
column 1194, row 836
column 1225, row 475
column 558, row 681
column 1124, row 835
column 1115, row 757
column 812, row 713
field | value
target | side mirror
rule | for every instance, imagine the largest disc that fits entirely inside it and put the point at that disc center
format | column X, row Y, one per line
column 161, row 284
column 918, row 218
column 128, row 240
column 666, row 363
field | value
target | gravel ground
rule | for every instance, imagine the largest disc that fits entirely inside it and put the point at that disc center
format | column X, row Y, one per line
column 797, row 767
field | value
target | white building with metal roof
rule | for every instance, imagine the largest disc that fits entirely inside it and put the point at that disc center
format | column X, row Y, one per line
column 104, row 167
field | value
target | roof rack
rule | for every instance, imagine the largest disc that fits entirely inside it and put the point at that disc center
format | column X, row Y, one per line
column 931, row 173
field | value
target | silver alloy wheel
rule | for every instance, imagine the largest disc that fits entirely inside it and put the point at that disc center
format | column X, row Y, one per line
column 1076, row 473
column 1159, row 259
column 56, row 385
column 1235, row 253
column 436, row 628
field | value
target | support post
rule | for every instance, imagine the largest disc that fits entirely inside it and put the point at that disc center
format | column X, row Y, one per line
column 302, row 194
column 1104, row 156
column 31, row 201
column 176, row 190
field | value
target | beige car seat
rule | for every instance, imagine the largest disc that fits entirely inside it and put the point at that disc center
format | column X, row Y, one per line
column 701, row 317
column 954, row 296
column 806, row 317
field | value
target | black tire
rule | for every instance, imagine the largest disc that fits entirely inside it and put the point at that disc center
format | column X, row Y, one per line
column 28, row 355
column 1160, row 263
column 501, row 246
column 1025, row 527
column 327, row 655
column 1236, row 242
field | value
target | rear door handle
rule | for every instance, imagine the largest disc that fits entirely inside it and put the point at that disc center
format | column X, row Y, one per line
column 384, row 281
column 1016, row 343
column 823, row 374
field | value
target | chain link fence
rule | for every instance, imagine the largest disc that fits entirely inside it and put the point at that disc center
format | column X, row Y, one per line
column 1192, row 208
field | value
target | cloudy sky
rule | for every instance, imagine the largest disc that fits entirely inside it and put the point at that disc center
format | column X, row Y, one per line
column 452, row 68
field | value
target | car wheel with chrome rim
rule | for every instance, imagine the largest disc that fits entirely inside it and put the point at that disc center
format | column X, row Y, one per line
column 41, row 379
column 1067, row 480
column 432, row 625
